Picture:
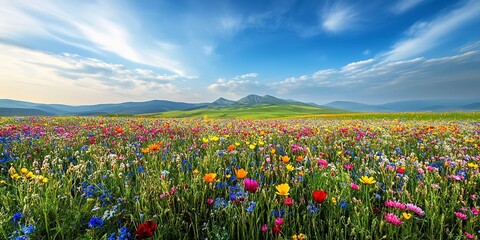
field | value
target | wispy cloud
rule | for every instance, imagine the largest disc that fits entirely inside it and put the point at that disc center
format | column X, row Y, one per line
column 404, row 5
column 238, row 86
column 379, row 80
column 94, row 26
column 71, row 78
column 339, row 17
column 426, row 35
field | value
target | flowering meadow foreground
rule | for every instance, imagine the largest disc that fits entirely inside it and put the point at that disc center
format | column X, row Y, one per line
column 135, row 178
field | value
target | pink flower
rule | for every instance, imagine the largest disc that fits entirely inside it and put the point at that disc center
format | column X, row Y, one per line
column 264, row 228
column 250, row 184
column 279, row 221
column 322, row 163
column 469, row 236
column 420, row 171
column 393, row 219
column 288, row 201
column 353, row 186
column 209, row 201
column 395, row 204
column 475, row 211
column 348, row 166
column 461, row 215
column 417, row 210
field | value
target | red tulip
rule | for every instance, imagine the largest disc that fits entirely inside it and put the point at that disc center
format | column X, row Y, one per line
column 146, row 230
column 319, row 196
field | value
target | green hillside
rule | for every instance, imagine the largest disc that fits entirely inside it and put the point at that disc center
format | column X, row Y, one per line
column 252, row 111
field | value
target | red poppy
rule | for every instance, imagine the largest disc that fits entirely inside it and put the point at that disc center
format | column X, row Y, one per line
column 276, row 230
column 319, row 196
column 146, row 230
column 401, row 170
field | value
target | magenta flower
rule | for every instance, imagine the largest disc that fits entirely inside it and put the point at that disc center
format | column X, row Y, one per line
column 209, row 201
column 348, row 166
column 264, row 228
column 414, row 208
column 395, row 204
column 461, row 215
column 393, row 219
column 475, row 211
column 279, row 221
column 250, row 184
column 322, row 163
column 469, row 236
column 353, row 186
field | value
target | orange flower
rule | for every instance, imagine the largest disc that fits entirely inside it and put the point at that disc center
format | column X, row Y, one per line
column 285, row 159
column 231, row 148
column 299, row 158
column 241, row 173
column 145, row 150
column 153, row 147
column 119, row 130
column 210, row 177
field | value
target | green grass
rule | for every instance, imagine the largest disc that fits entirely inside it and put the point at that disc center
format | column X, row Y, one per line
column 260, row 111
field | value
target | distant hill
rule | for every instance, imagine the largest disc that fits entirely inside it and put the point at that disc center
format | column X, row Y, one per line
column 256, row 110
column 242, row 107
column 23, row 112
column 411, row 106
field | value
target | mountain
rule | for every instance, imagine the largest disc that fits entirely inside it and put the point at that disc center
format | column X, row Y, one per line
column 222, row 102
column 23, row 112
column 153, row 106
column 438, row 105
column 357, row 107
column 255, row 99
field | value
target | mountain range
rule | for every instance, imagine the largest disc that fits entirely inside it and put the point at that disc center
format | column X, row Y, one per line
column 10, row 107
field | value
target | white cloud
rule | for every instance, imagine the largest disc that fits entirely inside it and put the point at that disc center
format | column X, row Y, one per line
column 94, row 26
column 248, row 75
column 470, row 47
column 375, row 79
column 424, row 36
column 405, row 5
column 70, row 78
column 338, row 17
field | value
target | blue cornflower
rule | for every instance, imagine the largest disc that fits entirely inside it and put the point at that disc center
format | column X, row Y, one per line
column 343, row 204
column 95, row 222
column 17, row 216
column 29, row 229
column 251, row 206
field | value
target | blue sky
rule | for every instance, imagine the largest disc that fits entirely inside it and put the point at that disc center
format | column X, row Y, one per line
column 86, row 52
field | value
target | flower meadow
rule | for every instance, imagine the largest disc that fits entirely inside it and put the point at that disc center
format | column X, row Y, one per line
column 140, row 178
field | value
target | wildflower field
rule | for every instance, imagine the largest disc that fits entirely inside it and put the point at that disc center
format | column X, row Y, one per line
column 200, row 178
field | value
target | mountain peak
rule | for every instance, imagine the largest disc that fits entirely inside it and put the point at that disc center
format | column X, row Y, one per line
column 223, row 101
column 255, row 99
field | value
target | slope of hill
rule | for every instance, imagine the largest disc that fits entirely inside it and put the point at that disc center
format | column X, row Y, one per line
column 258, row 110
column 23, row 112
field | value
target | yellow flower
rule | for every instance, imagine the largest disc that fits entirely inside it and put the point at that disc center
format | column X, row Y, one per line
column 302, row 236
column 252, row 146
column 241, row 173
column 334, row 200
column 237, row 144
column 30, row 175
column 407, row 215
column 44, row 180
column 367, row 180
column 210, row 177
column 15, row 176
column 12, row 170
column 214, row 138
column 473, row 165
column 272, row 151
column 2, row 182
column 283, row 189
column 196, row 171
column 290, row 167
column 24, row 171
column 145, row 150
column 295, row 237
column 205, row 140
